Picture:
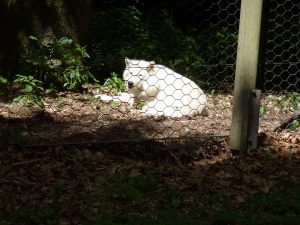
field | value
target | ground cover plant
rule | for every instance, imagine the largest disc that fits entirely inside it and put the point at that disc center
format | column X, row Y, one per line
column 46, row 67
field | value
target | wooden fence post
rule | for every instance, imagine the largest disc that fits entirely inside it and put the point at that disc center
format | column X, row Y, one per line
column 246, row 70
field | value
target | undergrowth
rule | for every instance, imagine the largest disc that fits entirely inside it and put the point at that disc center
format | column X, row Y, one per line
column 48, row 66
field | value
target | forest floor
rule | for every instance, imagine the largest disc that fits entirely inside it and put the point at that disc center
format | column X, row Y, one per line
column 196, row 180
column 81, row 118
column 83, row 185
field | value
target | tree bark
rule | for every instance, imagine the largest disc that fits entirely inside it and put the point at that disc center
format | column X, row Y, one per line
column 43, row 19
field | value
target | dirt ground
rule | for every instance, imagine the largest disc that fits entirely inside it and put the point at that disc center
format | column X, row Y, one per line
column 73, row 184
column 80, row 118
column 81, row 178
column 71, row 118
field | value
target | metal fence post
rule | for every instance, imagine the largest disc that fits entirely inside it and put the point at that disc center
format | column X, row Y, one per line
column 246, row 70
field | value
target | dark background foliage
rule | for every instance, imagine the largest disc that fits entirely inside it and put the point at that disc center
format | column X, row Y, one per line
column 196, row 38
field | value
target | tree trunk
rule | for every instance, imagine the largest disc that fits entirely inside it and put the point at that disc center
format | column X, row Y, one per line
column 43, row 19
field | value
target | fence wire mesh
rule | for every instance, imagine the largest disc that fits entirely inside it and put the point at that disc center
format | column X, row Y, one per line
column 197, row 39
column 280, row 71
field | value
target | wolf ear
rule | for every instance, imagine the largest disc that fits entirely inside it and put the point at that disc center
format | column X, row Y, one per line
column 151, row 66
column 128, row 62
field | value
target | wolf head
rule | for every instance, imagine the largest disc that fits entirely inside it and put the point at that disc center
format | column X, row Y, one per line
column 137, row 73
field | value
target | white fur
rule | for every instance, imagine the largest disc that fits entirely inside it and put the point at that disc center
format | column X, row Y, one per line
column 164, row 91
column 122, row 97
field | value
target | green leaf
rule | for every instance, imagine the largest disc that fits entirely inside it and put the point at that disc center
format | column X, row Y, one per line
column 295, row 105
column 28, row 88
column 20, row 79
column 293, row 125
column 65, row 41
column 49, row 90
column 61, row 59
column 3, row 80
column 18, row 99
column 31, row 37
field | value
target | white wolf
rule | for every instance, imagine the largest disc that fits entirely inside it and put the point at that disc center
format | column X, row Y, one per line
column 164, row 91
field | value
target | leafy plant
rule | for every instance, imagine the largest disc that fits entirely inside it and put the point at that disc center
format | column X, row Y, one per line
column 198, row 54
column 114, row 39
column 57, row 63
column 140, row 103
column 114, row 83
column 290, row 101
column 287, row 102
column 3, row 84
column 3, row 80
column 263, row 109
column 203, row 54
column 115, row 104
column 93, row 100
column 294, row 125
column 31, row 90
